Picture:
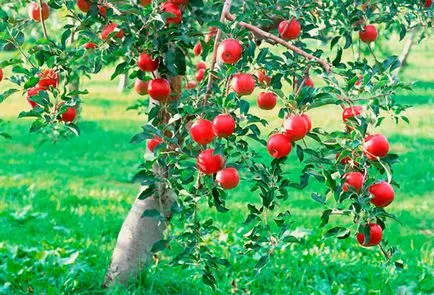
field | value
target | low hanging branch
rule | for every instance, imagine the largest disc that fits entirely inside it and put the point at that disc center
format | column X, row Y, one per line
column 268, row 36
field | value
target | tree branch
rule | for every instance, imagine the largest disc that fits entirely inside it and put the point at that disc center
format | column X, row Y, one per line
column 225, row 12
column 268, row 36
column 44, row 29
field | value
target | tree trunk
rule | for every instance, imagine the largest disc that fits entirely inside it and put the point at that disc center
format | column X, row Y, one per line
column 406, row 51
column 123, row 82
column 137, row 236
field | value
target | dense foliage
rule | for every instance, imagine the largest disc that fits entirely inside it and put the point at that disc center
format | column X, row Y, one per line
column 58, row 51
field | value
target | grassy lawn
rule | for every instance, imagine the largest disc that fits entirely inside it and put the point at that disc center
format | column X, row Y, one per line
column 61, row 207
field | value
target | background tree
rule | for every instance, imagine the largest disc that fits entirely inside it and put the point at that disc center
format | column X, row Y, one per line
column 194, row 159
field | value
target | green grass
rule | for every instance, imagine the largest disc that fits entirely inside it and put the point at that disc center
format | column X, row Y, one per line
column 61, row 207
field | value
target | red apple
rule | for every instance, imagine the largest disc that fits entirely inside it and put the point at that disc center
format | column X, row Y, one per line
column 197, row 50
column 1, row 74
column 223, row 125
column 383, row 194
column 279, row 145
column 351, row 112
column 229, row 51
column 428, row 3
column 146, row 63
column 262, row 77
column 202, row 131
column 84, row 5
column 296, row 127
column 200, row 74
column 69, row 115
column 375, row 145
column 243, row 84
column 151, row 144
column 375, row 236
column 308, row 121
column 201, row 66
column 353, row 179
column 308, row 82
column 141, row 87
column 368, row 34
column 35, row 12
column 289, row 30
column 145, row 2
column 173, row 9
column 102, row 10
column 266, row 100
column 344, row 160
column 228, row 178
column 109, row 29
column 89, row 45
column 209, row 163
column 191, row 85
column 48, row 78
column 159, row 89
column 32, row 92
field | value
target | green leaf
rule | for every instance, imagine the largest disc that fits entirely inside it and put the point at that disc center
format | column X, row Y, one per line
column 159, row 246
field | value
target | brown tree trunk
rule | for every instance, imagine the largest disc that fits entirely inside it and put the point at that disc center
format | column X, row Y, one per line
column 137, row 236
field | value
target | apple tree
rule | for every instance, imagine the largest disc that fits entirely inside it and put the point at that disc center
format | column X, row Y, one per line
column 201, row 136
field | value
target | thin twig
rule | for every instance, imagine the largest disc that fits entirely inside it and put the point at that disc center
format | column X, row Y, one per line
column 225, row 11
column 44, row 29
column 268, row 36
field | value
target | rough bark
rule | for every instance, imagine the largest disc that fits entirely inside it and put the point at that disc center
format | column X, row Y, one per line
column 137, row 236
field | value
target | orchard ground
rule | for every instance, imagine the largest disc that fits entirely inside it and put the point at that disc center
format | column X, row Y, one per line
column 61, row 207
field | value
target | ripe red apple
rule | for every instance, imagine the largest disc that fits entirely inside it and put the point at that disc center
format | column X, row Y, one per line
column 383, row 194
column 1, row 74
column 229, row 51
column 308, row 121
column 151, row 144
column 375, row 145
column 141, row 87
column 289, row 30
column 84, row 5
column 109, row 29
column 308, row 82
column 262, row 77
column 69, row 115
column 228, row 178
column 191, row 85
column 32, row 92
column 48, row 78
column 266, row 100
column 354, row 179
column 279, row 145
column 201, row 66
column 200, row 74
column 351, row 112
column 428, row 3
column 145, row 2
column 375, row 236
column 173, row 9
column 243, row 84
column 146, row 63
column 296, row 127
column 35, row 12
column 197, row 50
column 159, row 89
column 344, row 160
column 209, row 163
column 102, row 10
column 223, row 125
column 202, row 131
column 368, row 34
column 89, row 45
